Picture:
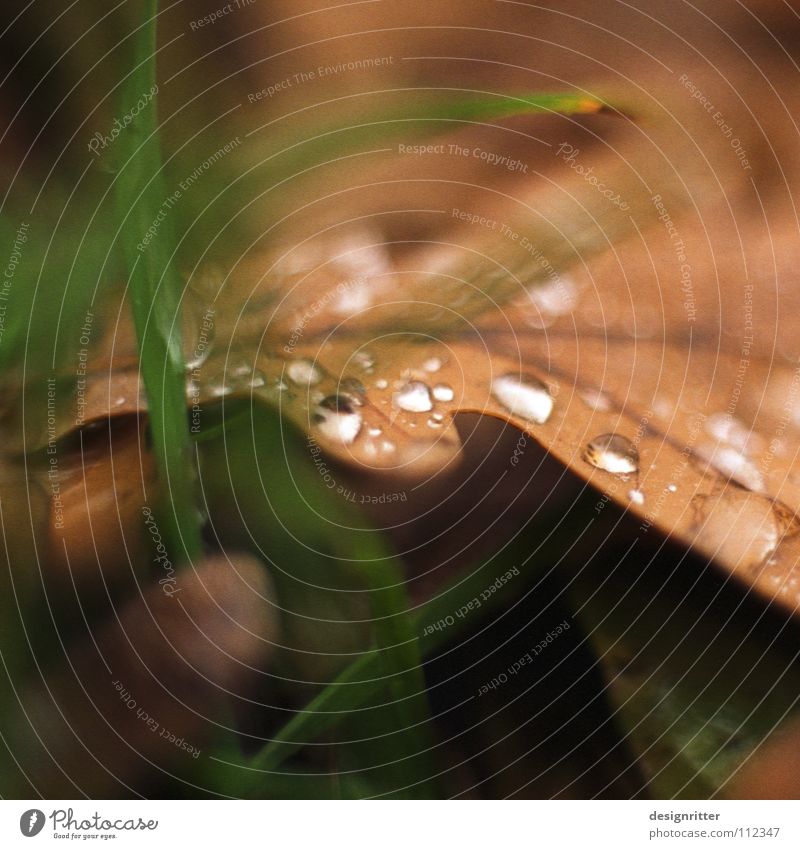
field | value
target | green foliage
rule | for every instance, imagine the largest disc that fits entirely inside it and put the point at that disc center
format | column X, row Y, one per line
column 155, row 291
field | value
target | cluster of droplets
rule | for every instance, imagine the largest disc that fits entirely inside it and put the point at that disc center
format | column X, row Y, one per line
column 237, row 379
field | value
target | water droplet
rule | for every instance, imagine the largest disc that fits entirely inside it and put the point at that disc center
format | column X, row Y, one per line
column 337, row 419
column 636, row 496
column 732, row 464
column 434, row 422
column 595, row 400
column 258, row 379
column 663, row 408
column 353, row 298
column 613, row 453
column 303, row 372
column 672, row 488
column 554, row 297
column 740, row 527
column 443, row 392
column 364, row 360
column 524, row 396
column 725, row 428
column 375, row 431
column 354, row 386
column 240, row 370
column 340, row 403
column 432, row 365
column 220, row 390
column 413, row 397
column 381, row 384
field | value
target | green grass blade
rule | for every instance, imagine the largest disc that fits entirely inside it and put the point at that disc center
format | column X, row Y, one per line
column 362, row 682
column 155, row 293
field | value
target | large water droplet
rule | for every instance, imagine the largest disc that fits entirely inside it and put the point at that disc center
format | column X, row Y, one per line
column 303, row 372
column 413, row 397
column 524, row 396
column 612, row 453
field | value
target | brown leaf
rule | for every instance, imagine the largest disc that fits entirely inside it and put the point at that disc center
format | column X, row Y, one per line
column 635, row 273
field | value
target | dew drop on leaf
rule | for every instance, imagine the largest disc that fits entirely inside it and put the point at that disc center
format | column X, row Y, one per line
column 595, row 400
column 364, row 360
column 303, row 372
column 337, row 419
column 732, row 464
column 739, row 527
column 443, row 392
column 612, row 453
column 524, row 396
column 413, row 397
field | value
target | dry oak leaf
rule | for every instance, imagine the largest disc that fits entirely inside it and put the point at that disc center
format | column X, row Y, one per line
column 650, row 347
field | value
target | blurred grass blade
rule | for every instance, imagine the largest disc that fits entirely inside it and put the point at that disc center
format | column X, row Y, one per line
column 358, row 686
column 155, row 291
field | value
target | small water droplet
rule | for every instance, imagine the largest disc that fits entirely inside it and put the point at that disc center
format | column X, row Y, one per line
column 257, row 379
column 595, row 400
column 672, row 488
column 434, row 422
column 381, row 383
column 375, row 431
column 612, row 453
column 636, row 496
column 443, row 392
column 303, row 372
column 354, row 386
column 364, row 360
column 240, row 370
column 432, row 365
column 413, row 397
column 524, row 396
